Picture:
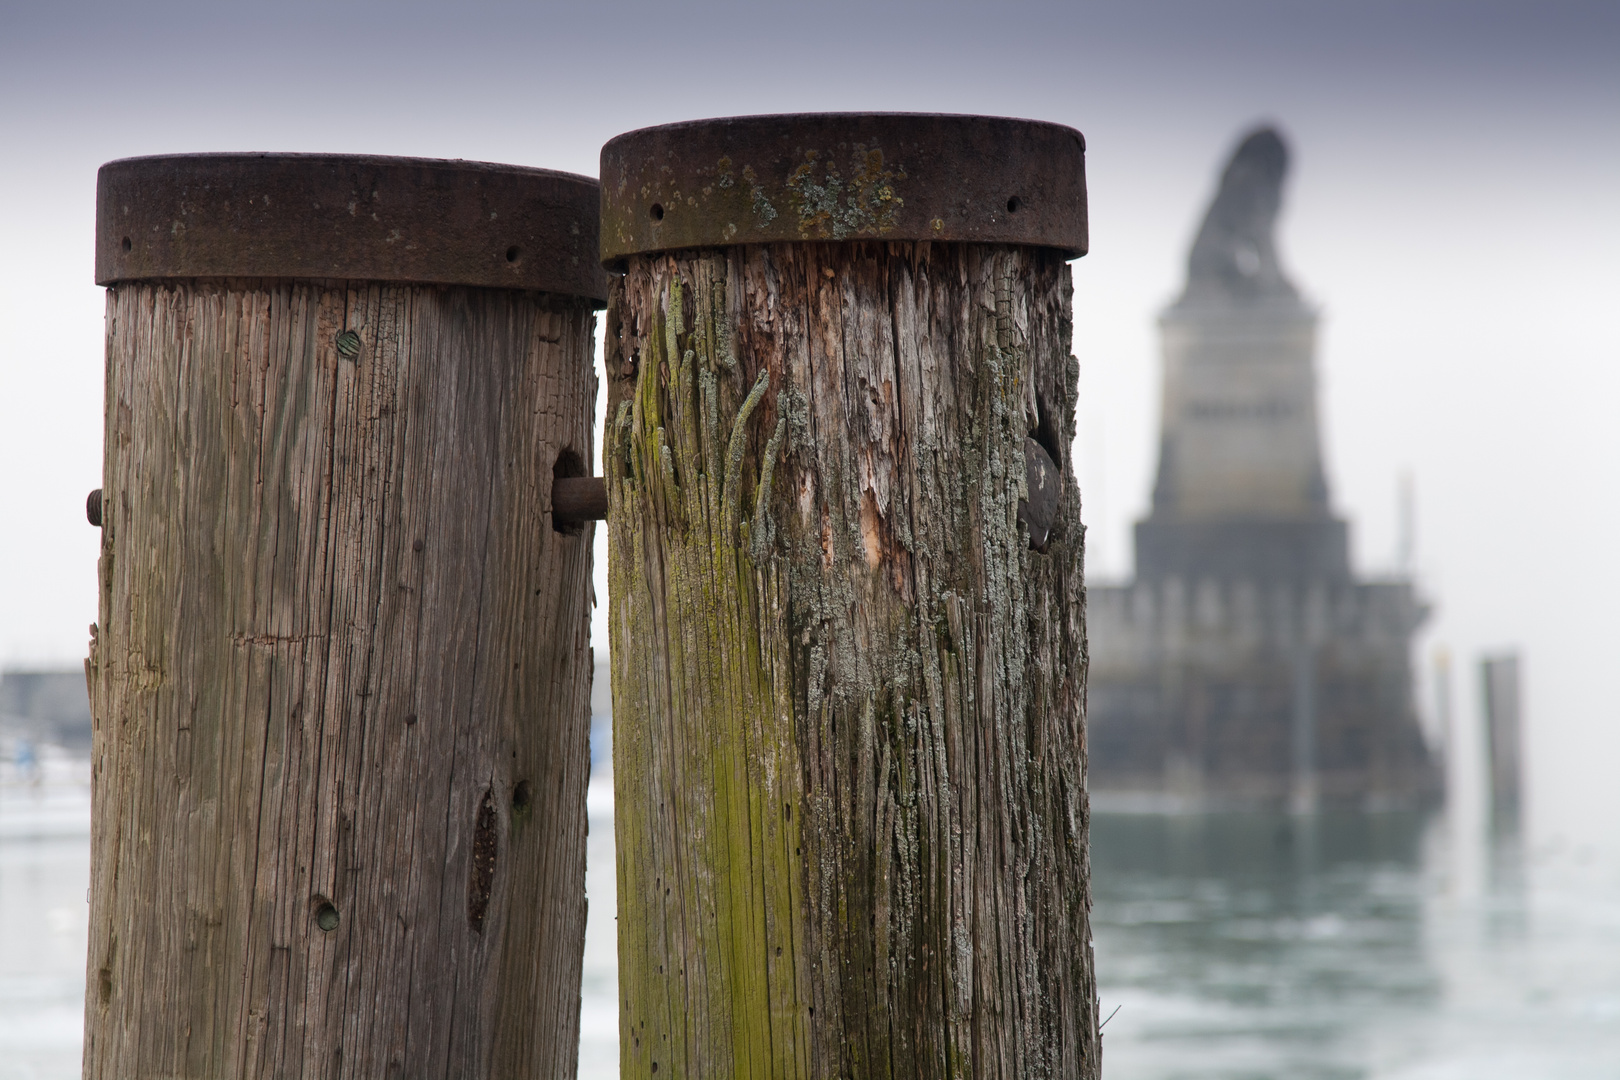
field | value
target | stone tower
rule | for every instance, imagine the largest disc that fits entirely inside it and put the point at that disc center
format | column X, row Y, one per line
column 1245, row 665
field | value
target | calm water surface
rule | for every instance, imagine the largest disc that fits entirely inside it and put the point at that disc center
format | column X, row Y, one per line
column 44, row 920
column 1234, row 948
column 1349, row 946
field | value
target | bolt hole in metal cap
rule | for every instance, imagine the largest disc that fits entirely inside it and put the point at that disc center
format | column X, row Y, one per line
column 843, row 176
column 355, row 217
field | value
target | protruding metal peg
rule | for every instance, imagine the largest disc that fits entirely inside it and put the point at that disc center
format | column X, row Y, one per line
column 578, row 498
column 92, row 508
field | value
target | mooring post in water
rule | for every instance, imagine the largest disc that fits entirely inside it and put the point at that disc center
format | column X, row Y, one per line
column 341, row 673
column 846, row 598
column 1499, row 681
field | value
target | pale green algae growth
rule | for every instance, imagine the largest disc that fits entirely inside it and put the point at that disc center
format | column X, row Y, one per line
column 677, row 471
column 711, row 668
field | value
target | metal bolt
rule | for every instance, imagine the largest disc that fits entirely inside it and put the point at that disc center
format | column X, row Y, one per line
column 1044, row 481
column 348, row 344
column 578, row 498
column 326, row 917
column 92, row 508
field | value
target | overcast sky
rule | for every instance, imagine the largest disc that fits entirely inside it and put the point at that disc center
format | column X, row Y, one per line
column 1454, row 209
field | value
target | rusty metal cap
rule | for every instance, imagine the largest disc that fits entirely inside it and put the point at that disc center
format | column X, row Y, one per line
column 415, row 220
column 843, row 176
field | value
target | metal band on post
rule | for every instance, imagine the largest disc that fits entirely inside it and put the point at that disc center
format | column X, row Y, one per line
column 344, row 216
column 844, row 176
column 341, row 673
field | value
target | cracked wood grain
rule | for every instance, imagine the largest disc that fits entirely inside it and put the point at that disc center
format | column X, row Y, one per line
column 337, row 632
column 849, row 744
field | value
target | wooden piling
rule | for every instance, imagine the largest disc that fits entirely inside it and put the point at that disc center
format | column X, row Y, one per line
column 846, row 598
column 341, row 674
column 1499, row 694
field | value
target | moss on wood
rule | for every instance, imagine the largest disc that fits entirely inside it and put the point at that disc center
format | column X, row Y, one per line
column 849, row 751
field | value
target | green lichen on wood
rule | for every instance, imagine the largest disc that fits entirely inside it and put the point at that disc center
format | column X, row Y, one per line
column 722, row 776
column 849, row 747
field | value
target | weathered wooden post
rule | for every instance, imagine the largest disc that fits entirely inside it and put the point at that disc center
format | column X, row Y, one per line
column 847, row 608
column 341, row 678
column 1504, row 739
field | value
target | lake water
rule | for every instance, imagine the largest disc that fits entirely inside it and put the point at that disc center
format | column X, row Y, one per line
column 44, row 918
column 1348, row 946
column 1234, row 947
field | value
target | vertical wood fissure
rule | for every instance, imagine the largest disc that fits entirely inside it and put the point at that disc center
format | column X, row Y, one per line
column 333, row 615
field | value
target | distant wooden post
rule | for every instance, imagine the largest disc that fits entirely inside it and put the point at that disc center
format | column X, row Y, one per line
column 846, row 600
column 1499, row 678
column 341, row 678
